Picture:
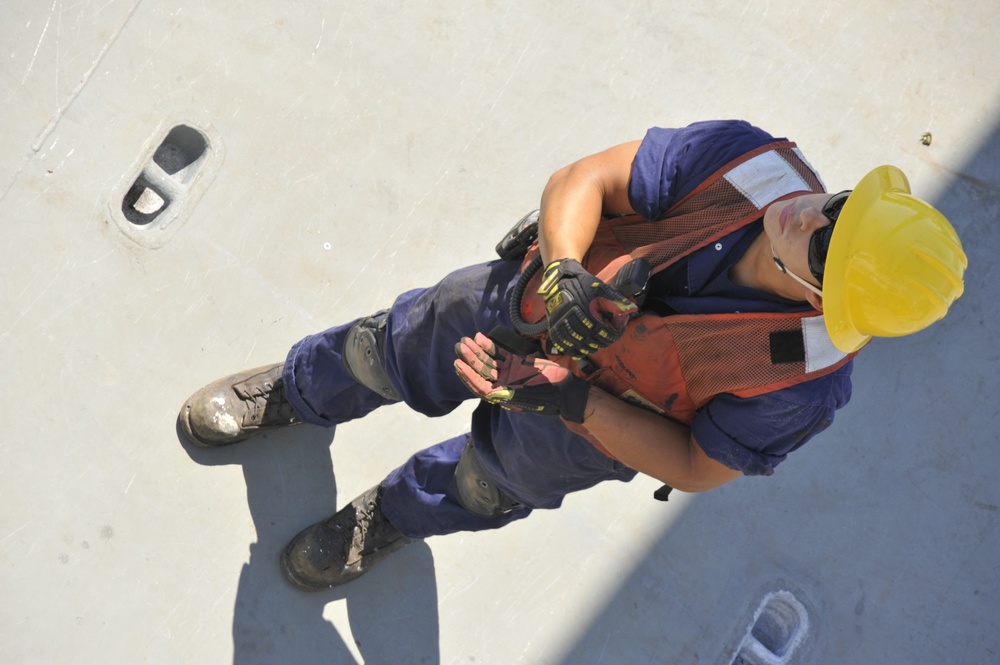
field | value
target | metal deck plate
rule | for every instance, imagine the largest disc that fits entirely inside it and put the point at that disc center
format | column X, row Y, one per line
column 368, row 148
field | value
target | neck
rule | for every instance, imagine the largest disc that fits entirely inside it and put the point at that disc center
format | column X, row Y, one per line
column 757, row 270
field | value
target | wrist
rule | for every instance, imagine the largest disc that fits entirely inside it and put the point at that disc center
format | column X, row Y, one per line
column 561, row 251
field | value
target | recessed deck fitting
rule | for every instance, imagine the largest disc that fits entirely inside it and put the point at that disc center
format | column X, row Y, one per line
column 165, row 183
column 779, row 627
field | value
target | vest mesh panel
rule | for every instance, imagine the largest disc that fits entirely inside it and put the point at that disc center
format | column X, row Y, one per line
column 731, row 354
column 695, row 221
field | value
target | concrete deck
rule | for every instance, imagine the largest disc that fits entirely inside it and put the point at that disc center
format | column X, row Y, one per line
column 360, row 149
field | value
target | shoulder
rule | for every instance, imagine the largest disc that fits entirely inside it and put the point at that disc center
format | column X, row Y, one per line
column 728, row 138
column 755, row 434
column 670, row 162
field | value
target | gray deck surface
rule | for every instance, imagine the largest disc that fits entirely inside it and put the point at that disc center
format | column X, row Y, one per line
column 361, row 149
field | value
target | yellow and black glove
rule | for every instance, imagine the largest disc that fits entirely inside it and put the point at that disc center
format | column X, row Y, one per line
column 584, row 313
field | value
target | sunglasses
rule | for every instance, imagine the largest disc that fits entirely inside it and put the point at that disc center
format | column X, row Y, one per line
column 819, row 243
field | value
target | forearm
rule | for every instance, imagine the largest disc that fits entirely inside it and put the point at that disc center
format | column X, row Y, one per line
column 576, row 197
column 651, row 444
column 570, row 214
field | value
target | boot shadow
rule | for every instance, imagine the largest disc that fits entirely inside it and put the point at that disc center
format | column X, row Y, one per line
column 291, row 485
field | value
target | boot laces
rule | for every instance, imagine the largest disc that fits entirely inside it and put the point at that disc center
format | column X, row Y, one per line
column 371, row 530
column 266, row 404
column 369, row 521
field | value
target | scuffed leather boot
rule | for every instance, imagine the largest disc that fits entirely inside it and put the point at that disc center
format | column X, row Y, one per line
column 237, row 407
column 343, row 547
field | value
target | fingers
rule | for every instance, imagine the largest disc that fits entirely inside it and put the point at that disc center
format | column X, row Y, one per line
column 476, row 384
column 612, row 301
column 613, row 314
column 486, row 344
column 472, row 354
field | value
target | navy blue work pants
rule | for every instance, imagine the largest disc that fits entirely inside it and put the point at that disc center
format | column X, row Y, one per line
column 536, row 460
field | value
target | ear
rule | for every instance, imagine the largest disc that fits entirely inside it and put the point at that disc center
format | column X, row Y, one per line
column 814, row 300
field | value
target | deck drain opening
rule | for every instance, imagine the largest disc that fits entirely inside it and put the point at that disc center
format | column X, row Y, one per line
column 142, row 203
column 165, row 182
column 181, row 152
column 780, row 625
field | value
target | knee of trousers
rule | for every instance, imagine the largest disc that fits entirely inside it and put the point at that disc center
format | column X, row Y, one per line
column 476, row 490
column 364, row 354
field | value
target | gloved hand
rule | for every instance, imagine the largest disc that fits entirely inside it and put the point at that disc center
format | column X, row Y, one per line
column 495, row 372
column 584, row 313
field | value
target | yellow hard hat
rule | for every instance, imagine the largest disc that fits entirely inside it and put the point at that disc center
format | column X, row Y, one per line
column 894, row 266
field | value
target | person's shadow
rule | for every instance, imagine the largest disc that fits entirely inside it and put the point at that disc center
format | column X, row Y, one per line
column 290, row 485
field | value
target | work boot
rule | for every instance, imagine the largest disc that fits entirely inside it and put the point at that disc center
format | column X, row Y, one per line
column 237, row 407
column 343, row 547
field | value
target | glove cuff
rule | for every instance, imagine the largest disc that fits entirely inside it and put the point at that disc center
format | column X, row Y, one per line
column 573, row 396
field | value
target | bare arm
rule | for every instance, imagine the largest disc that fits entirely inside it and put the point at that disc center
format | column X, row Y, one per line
column 572, row 204
column 576, row 196
column 653, row 445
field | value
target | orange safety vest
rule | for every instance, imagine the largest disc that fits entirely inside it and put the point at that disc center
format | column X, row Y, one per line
column 674, row 365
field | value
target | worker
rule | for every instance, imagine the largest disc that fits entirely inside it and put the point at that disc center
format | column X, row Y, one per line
column 691, row 310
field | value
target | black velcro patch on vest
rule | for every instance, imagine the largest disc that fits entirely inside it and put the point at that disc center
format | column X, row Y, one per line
column 787, row 346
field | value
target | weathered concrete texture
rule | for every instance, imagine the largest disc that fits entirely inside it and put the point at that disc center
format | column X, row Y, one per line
column 365, row 148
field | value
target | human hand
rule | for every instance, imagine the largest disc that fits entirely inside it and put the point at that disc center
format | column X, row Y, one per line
column 494, row 372
column 584, row 313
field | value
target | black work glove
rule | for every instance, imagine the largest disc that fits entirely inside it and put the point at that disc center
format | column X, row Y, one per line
column 584, row 313
column 494, row 371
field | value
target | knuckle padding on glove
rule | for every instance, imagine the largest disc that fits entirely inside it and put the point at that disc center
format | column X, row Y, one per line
column 574, row 302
